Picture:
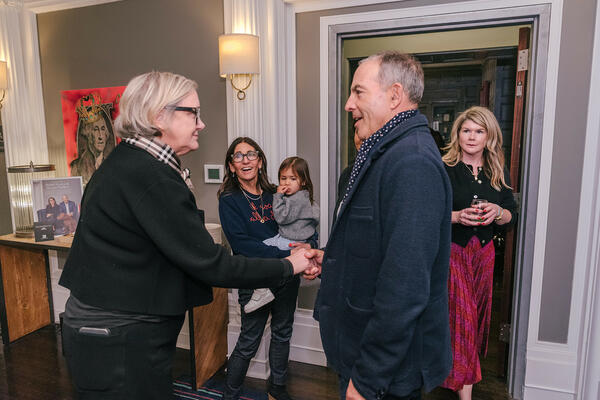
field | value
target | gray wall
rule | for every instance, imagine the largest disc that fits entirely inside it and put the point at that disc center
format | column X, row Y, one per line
column 567, row 164
column 570, row 124
column 108, row 44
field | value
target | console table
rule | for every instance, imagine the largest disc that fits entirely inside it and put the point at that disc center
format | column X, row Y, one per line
column 26, row 304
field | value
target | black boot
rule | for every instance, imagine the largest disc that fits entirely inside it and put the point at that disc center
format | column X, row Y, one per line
column 236, row 372
column 278, row 392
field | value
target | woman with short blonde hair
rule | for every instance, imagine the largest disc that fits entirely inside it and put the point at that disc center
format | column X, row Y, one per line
column 145, row 97
column 141, row 255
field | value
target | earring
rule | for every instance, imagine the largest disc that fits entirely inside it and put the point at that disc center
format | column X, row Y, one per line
column 259, row 171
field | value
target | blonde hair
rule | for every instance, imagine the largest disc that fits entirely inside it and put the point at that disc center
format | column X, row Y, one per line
column 145, row 97
column 493, row 155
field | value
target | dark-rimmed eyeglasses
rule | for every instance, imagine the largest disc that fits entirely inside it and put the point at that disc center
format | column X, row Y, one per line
column 193, row 110
column 239, row 156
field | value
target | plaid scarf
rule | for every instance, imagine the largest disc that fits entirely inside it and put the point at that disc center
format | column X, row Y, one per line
column 163, row 153
column 371, row 141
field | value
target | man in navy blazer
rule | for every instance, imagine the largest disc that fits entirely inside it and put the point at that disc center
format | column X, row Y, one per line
column 383, row 304
column 69, row 214
column 68, row 207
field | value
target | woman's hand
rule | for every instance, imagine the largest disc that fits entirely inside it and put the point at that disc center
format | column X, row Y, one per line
column 467, row 216
column 300, row 262
column 298, row 245
column 489, row 213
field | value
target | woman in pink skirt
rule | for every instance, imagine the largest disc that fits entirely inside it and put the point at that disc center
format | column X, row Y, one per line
column 482, row 197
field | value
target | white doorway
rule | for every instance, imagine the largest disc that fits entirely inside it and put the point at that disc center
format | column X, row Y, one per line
column 540, row 100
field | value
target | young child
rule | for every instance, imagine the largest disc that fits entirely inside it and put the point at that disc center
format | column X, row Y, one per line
column 296, row 214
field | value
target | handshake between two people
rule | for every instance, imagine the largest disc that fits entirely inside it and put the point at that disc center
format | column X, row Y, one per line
column 306, row 261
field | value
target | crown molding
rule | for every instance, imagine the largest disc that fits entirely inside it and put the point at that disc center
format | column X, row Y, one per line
column 316, row 5
column 44, row 6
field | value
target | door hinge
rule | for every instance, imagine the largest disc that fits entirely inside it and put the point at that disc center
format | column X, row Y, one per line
column 523, row 60
column 504, row 333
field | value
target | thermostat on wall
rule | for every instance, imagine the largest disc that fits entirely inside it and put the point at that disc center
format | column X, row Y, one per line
column 213, row 173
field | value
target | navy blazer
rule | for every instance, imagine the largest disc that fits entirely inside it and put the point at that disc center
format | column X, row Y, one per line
column 72, row 207
column 383, row 301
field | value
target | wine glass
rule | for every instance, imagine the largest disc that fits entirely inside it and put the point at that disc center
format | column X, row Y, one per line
column 479, row 205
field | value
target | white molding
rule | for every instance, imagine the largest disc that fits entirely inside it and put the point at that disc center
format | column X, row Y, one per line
column 586, row 285
column 545, row 175
column 562, row 366
column 316, row 5
column 539, row 393
column 552, row 367
column 44, row 6
column 268, row 114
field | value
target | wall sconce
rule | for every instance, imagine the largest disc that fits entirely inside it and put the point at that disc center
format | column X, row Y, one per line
column 3, row 81
column 238, row 60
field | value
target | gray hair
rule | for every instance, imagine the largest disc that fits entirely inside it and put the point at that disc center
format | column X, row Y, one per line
column 397, row 67
column 145, row 97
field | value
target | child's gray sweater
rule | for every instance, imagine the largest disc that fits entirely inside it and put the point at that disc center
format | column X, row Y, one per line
column 297, row 218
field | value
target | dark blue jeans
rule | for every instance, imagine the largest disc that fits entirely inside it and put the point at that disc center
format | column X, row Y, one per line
column 282, row 310
column 415, row 395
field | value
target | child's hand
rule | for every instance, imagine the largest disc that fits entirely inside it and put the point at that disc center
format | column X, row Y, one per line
column 282, row 189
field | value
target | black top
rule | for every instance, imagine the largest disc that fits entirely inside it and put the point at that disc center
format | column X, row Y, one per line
column 466, row 188
column 141, row 245
column 341, row 189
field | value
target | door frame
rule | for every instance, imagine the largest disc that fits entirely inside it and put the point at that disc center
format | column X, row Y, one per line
column 545, row 17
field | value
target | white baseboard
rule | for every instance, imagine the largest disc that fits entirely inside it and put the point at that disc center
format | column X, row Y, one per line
column 306, row 343
column 535, row 393
column 551, row 373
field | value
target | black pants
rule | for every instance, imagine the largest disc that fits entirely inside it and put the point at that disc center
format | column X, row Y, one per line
column 282, row 310
column 415, row 395
column 131, row 362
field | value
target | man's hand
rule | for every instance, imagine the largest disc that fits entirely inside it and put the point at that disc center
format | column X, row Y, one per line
column 316, row 256
column 352, row 393
column 300, row 262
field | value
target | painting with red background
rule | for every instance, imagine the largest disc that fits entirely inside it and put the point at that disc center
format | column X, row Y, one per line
column 83, row 106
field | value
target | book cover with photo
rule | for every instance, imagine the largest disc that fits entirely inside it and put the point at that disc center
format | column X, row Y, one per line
column 57, row 202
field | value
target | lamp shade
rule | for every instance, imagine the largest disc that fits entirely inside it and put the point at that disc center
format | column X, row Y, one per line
column 3, row 79
column 238, row 54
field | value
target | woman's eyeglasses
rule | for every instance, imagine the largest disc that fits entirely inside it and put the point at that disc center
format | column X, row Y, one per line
column 193, row 110
column 239, row 156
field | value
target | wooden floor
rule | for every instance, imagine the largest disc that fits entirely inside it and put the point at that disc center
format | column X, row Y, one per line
column 33, row 368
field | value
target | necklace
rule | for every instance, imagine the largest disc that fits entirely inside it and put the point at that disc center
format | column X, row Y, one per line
column 253, row 206
column 474, row 171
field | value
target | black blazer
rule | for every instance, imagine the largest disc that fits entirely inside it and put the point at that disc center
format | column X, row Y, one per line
column 141, row 245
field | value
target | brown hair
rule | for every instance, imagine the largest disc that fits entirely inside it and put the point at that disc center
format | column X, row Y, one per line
column 300, row 168
column 231, row 183
column 493, row 155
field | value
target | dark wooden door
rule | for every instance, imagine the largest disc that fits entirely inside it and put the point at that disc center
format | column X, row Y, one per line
column 515, row 175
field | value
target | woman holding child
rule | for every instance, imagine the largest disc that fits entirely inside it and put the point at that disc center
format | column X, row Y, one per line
column 246, row 210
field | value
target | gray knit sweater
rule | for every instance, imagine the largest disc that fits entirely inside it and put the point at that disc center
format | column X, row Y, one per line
column 297, row 218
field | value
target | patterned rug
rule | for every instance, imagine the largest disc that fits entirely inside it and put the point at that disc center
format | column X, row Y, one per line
column 212, row 390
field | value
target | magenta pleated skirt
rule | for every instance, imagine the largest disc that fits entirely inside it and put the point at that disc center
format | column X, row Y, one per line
column 470, row 307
